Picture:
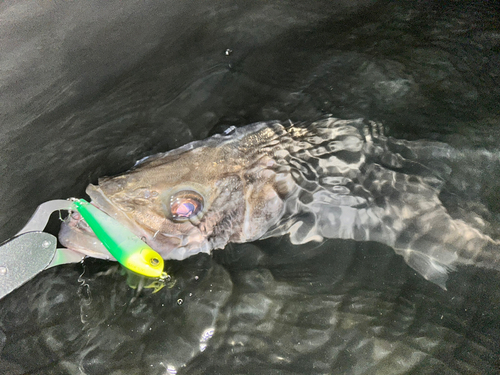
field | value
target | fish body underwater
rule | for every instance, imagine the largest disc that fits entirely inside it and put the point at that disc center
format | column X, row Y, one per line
column 331, row 178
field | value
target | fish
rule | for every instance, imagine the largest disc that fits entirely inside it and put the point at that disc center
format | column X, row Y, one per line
column 328, row 179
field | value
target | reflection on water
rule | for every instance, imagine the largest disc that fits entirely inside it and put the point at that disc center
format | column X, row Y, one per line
column 427, row 70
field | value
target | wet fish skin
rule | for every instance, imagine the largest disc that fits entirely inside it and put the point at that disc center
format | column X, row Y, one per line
column 329, row 179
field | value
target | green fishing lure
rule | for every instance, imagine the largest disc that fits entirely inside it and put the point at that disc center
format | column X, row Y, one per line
column 128, row 249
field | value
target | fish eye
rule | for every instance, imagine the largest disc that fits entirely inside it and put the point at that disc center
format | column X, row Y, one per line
column 185, row 205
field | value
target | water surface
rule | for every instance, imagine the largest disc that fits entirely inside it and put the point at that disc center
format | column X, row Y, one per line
column 88, row 88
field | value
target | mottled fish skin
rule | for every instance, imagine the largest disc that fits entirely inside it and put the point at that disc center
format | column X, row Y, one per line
column 329, row 179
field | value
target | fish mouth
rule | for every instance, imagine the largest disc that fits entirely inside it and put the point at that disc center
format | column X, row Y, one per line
column 75, row 234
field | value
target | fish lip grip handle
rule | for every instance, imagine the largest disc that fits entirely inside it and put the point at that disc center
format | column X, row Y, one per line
column 128, row 249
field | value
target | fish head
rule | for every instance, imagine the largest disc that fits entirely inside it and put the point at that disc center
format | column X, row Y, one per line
column 193, row 199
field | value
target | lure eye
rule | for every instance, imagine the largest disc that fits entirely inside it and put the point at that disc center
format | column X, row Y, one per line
column 185, row 204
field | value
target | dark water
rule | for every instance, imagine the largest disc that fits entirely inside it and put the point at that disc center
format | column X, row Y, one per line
column 87, row 88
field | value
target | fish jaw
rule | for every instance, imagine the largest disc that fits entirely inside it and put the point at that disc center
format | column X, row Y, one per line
column 76, row 235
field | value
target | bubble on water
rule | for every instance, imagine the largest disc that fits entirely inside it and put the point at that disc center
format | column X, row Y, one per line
column 228, row 52
column 180, row 301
